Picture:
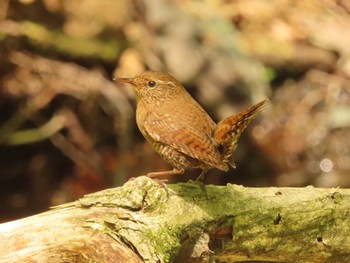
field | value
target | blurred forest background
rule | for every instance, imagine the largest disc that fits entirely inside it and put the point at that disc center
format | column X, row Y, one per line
column 66, row 129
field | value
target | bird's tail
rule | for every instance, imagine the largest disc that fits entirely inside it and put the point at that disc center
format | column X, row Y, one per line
column 227, row 131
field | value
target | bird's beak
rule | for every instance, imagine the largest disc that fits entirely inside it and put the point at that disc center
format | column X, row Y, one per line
column 125, row 80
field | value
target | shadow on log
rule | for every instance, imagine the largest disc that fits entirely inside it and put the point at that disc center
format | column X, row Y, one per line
column 145, row 222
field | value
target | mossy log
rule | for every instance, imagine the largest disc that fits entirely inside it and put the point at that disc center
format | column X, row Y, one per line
column 144, row 221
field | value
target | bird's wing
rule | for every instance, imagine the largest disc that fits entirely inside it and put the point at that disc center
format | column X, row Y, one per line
column 187, row 140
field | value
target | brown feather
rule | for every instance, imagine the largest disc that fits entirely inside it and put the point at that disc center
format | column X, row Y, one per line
column 184, row 139
column 179, row 129
column 228, row 131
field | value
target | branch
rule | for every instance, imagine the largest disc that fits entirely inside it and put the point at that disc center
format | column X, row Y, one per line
column 145, row 222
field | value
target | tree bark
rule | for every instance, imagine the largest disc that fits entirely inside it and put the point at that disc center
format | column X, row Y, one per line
column 144, row 221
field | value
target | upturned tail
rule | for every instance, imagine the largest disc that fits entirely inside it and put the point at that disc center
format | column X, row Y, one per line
column 227, row 131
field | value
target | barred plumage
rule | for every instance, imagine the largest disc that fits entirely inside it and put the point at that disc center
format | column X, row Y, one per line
column 179, row 129
column 228, row 131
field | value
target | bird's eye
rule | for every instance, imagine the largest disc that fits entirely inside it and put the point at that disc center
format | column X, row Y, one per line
column 151, row 84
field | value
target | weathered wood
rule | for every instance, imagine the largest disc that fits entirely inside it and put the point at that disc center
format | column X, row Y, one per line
column 144, row 222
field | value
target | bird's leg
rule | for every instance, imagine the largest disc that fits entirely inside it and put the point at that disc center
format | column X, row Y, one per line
column 200, row 178
column 164, row 173
column 154, row 176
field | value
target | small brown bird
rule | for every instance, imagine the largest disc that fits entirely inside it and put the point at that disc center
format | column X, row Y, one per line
column 180, row 130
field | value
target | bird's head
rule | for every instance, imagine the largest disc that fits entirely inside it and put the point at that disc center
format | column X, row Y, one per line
column 154, row 85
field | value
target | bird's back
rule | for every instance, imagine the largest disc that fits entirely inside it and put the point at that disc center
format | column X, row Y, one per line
column 183, row 125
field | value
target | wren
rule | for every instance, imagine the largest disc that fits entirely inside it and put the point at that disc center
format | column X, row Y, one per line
column 180, row 130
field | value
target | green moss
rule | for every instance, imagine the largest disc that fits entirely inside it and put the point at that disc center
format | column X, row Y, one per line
column 165, row 242
column 161, row 224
